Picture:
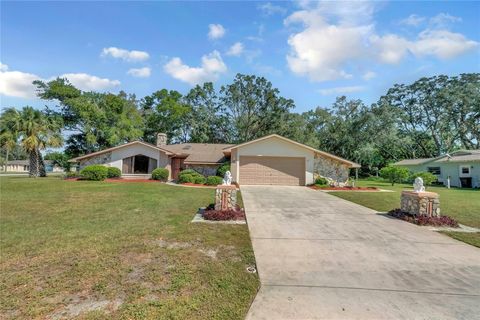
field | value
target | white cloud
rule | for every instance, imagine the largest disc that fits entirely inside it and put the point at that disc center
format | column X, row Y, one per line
column 215, row 31
column 442, row 20
column 271, row 9
column 321, row 49
column 140, row 72
column 236, row 49
column 336, row 35
column 131, row 56
column 391, row 47
column 441, row 43
column 369, row 75
column 340, row 90
column 212, row 67
column 17, row 84
column 87, row 82
column 413, row 20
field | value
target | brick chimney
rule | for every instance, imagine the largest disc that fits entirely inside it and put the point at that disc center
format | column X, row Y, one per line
column 161, row 139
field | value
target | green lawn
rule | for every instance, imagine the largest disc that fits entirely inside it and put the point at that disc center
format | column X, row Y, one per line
column 99, row 250
column 461, row 204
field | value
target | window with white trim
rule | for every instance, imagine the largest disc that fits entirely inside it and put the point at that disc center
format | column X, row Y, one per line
column 435, row 170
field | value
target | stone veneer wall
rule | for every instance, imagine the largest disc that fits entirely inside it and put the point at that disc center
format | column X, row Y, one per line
column 103, row 158
column 331, row 169
column 206, row 170
column 225, row 197
column 420, row 203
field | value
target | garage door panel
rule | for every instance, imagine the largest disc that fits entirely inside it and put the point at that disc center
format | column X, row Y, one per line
column 272, row 170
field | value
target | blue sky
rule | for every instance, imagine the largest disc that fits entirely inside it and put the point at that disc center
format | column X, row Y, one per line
column 311, row 51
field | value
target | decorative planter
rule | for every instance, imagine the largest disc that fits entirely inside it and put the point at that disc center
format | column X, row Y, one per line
column 420, row 203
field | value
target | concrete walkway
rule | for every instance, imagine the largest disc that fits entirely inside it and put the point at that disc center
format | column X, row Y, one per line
column 321, row 257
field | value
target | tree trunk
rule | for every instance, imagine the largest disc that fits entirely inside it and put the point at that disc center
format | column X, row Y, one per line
column 41, row 165
column 33, row 168
column 6, row 160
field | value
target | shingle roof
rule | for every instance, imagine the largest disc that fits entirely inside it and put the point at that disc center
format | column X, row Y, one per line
column 457, row 156
column 199, row 152
column 413, row 162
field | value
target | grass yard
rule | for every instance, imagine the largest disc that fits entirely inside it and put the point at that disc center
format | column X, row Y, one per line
column 110, row 250
column 461, row 204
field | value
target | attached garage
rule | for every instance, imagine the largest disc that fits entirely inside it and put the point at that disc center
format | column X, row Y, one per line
column 266, row 170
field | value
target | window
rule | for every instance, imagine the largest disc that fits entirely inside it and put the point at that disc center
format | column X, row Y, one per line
column 465, row 170
column 434, row 170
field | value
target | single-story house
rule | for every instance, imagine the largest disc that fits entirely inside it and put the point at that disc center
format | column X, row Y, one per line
column 270, row 160
column 23, row 166
column 462, row 167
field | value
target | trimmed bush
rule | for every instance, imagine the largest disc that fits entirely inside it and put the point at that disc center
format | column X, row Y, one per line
column 222, row 169
column 428, row 178
column 94, row 172
column 394, row 174
column 113, row 172
column 214, row 180
column 199, row 180
column 186, row 178
column 321, row 181
column 160, row 174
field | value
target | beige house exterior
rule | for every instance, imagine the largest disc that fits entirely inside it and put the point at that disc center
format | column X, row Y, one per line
column 23, row 166
column 270, row 160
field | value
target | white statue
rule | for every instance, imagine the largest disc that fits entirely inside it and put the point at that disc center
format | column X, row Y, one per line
column 227, row 179
column 418, row 185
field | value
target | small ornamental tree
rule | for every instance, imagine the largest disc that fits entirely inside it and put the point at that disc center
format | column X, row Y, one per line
column 394, row 174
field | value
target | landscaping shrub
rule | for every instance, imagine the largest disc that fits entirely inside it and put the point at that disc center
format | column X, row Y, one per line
column 442, row 221
column 160, row 174
column 428, row 178
column 186, row 178
column 113, row 172
column 71, row 175
column 321, row 181
column 223, row 215
column 189, row 172
column 394, row 174
column 94, row 172
column 214, row 180
column 199, row 180
column 222, row 169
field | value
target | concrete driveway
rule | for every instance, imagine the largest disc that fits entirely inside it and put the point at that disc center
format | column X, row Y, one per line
column 321, row 257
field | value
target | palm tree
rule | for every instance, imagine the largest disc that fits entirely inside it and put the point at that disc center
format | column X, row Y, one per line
column 35, row 130
column 8, row 141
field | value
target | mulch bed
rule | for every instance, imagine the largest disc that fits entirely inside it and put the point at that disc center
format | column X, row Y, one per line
column 442, row 221
column 224, row 215
column 117, row 180
column 196, row 185
column 314, row 187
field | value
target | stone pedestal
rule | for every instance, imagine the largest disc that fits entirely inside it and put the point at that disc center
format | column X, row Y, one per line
column 225, row 197
column 420, row 203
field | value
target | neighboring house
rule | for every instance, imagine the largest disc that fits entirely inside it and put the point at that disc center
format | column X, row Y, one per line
column 462, row 167
column 23, row 166
column 271, row 160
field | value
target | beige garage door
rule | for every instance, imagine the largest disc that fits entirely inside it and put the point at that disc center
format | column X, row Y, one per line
column 283, row 171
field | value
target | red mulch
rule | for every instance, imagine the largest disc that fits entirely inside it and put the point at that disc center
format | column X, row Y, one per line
column 345, row 188
column 197, row 185
column 118, row 180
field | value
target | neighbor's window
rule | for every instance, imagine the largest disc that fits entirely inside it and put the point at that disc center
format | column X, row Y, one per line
column 465, row 170
column 434, row 170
